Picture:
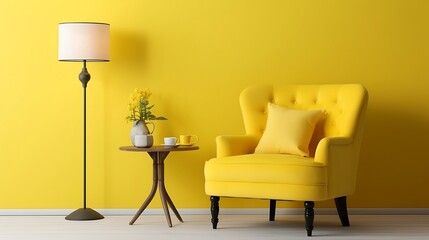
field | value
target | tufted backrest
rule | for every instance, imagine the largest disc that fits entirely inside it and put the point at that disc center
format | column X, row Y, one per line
column 342, row 104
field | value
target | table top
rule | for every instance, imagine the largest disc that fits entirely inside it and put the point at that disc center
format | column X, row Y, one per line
column 158, row 148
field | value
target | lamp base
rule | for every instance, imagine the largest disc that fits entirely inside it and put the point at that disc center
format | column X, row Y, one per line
column 84, row 214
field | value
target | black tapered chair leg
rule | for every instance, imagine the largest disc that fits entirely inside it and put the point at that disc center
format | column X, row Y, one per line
column 309, row 217
column 341, row 203
column 272, row 210
column 214, row 210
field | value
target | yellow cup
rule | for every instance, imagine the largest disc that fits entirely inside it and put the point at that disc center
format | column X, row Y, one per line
column 188, row 139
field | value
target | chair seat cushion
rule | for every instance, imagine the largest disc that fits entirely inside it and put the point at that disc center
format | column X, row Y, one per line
column 271, row 176
column 272, row 168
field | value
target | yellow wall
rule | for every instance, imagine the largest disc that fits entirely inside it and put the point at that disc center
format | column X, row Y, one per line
column 196, row 56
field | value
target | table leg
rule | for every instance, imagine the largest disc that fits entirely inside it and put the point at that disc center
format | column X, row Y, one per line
column 152, row 191
column 165, row 207
column 165, row 198
column 162, row 192
column 172, row 206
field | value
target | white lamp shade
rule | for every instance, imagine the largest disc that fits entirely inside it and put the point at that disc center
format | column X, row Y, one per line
column 79, row 41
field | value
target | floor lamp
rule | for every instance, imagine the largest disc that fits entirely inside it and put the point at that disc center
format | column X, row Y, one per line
column 84, row 42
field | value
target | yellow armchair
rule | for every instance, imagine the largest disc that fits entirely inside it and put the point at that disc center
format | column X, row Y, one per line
column 329, row 169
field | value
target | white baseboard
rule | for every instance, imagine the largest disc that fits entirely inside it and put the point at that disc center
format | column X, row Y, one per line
column 231, row 211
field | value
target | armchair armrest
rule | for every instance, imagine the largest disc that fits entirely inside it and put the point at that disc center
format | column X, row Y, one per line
column 230, row 145
column 340, row 155
column 328, row 143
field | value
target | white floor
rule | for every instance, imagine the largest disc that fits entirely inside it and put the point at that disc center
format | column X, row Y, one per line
column 199, row 227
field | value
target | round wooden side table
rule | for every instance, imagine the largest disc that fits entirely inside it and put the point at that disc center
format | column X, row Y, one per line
column 158, row 153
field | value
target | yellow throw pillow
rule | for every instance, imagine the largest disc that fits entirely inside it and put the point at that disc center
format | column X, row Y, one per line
column 288, row 130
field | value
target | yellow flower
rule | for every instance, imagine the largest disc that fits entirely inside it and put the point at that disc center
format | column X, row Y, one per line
column 139, row 109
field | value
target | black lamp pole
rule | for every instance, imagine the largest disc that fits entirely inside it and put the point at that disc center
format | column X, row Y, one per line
column 84, row 213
